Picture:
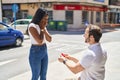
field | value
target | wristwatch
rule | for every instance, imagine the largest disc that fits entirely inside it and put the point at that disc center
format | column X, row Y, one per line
column 64, row 61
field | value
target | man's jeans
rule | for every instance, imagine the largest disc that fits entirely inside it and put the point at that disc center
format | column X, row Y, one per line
column 38, row 60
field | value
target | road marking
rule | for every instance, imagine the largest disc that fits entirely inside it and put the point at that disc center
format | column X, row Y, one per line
column 5, row 62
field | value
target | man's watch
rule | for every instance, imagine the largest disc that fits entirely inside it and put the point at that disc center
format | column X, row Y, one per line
column 64, row 61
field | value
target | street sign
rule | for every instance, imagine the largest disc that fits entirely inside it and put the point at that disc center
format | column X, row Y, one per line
column 15, row 8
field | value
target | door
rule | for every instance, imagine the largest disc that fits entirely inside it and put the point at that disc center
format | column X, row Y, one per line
column 6, row 36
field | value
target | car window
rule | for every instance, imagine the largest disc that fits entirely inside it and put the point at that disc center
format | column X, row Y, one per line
column 26, row 22
column 22, row 22
column 19, row 22
column 2, row 27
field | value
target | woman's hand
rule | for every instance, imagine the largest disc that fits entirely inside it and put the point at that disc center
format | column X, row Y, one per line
column 43, row 24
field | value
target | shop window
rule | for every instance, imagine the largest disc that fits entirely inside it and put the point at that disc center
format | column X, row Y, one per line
column 114, row 2
column 69, row 17
column 105, row 17
column 84, row 17
column 98, row 16
column 50, row 14
column 24, row 14
column 8, row 14
column 118, row 18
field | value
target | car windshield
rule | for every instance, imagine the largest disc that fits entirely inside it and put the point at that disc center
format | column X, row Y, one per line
column 3, row 27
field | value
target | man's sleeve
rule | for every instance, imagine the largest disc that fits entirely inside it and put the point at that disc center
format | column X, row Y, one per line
column 87, row 59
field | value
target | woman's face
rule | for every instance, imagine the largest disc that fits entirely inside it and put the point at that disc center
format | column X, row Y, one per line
column 44, row 20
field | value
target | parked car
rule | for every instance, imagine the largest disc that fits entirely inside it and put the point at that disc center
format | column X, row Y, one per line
column 20, row 24
column 9, row 36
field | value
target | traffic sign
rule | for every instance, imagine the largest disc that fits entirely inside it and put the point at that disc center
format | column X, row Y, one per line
column 15, row 8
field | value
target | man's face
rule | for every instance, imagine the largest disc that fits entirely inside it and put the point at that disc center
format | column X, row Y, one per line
column 86, row 35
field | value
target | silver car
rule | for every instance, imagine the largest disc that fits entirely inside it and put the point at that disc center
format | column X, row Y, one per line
column 21, row 25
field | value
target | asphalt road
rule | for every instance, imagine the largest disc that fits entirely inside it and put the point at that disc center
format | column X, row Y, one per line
column 14, row 60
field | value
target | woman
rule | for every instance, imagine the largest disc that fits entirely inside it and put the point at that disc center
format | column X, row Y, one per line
column 38, row 33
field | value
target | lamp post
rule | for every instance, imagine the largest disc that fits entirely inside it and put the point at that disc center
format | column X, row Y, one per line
column 1, row 10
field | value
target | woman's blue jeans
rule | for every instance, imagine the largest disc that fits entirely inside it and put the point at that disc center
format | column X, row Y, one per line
column 38, row 60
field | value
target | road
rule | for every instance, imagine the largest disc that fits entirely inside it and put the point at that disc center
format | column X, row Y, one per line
column 14, row 61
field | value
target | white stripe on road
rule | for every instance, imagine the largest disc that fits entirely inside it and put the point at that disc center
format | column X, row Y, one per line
column 5, row 62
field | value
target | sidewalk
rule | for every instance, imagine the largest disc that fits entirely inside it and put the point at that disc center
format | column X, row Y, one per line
column 58, row 71
column 26, row 37
column 109, row 25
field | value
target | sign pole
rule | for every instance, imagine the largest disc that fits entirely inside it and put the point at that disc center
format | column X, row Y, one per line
column 14, row 16
column 15, row 10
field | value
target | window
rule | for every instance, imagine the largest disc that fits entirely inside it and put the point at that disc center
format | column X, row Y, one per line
column 105, row 17
column 84, row 17
column 97, row 16
column 2, row 27
column 50, row 14
column 114, row 2
column 69, row 17
column 100, row 0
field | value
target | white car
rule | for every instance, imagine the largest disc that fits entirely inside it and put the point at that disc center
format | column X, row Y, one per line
column 21, row 25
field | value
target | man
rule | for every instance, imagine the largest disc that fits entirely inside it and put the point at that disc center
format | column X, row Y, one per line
column 92, row 65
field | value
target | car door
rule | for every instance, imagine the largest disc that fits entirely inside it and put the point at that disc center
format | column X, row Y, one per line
column 6, row 36
column 21, row 25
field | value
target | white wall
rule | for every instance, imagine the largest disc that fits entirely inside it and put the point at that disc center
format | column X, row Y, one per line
column 77, row 19
column 58, row 14
column 19, row 1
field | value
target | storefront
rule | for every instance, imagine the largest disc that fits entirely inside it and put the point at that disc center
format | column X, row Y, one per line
column 7, row 11
column 114, row 11
column 24, row 11
column 77, row 15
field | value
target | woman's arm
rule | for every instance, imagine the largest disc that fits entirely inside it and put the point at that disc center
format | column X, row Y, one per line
column 35, row 35
column 47, row 35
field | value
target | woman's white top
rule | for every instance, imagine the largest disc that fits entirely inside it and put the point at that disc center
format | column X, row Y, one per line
column 33, row 41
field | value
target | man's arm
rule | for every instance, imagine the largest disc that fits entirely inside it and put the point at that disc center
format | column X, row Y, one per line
column 75, row 67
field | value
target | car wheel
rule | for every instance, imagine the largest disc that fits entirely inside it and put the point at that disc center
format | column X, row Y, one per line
column 18, row 42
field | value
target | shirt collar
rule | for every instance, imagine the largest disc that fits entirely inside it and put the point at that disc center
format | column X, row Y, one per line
column 93, row 45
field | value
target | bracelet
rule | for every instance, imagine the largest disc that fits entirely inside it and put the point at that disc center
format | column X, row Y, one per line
column 42, row 30
column 64, row 61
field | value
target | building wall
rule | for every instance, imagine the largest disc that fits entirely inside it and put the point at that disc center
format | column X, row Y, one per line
column 58, row 15
column 31, row 8
column 30, row 1
column 77, row 20
column 32, row 5
column 97, row 2
column 19, row 1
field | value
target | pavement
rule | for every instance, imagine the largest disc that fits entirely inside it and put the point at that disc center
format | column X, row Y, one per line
column 58, row 71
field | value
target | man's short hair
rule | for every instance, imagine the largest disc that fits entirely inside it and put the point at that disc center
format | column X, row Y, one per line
column 95, row 31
